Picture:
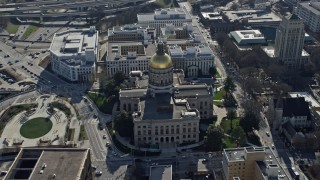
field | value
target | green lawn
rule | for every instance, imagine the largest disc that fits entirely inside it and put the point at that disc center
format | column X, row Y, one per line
column 83, row 133
column 12, row 28
column 225, row 124
column 218, row 75
column 36, row 128
column 31, row 29
column 228, row 142
column 219, row 94
column 104, row 103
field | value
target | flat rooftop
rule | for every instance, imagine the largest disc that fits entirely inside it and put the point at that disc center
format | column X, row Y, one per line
column 253, row 16
column 269, row 161
column 74, row 42
column 314, row 7
column 164, row 14
column 307, row 97
column 197, row 51
column 115, row 47
column 192, row 90
column 65, row 163
column 211, row 15
column 162, row 107
column 161, row 172
column 269, row 50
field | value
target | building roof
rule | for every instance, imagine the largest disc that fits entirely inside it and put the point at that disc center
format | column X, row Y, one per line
column 192, row 90
column 164, row 14
column 161, row 172
column 114, row 51
column 211, row 16
column 314, row 7
column 74, row 42
column 295, row 107
column 307, row 97
column 162, row 107
column 65, row 163
column 133, row 93
column 191, row 52
column 248, row 37
column 269, row 166
column 289, row 128
column 253, row 16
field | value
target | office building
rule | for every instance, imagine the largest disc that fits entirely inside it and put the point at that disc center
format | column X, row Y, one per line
column 171, row 31
column 248, row 37
column 289, row 42
column 74, row 53
column 128, row 56
column 309, row 12
column 253, row 18
column 51, row 163
column 252, row 163
column 160, row 18
column 130, row 32
column 165, row 108
column 195, row 61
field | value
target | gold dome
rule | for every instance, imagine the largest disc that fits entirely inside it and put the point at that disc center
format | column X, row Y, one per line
column 160, row 60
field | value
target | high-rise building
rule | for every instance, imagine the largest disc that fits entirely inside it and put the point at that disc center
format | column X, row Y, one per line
column 289, row 42
column 309, row 12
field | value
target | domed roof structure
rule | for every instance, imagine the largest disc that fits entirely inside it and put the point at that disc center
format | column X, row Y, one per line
column 160, row 60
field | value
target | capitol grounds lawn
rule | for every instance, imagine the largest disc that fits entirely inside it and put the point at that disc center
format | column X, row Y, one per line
column 35, row 128
column 225, row 124
column 104, row 104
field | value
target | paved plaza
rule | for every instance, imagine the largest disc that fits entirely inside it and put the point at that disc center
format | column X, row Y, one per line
column 11, row 134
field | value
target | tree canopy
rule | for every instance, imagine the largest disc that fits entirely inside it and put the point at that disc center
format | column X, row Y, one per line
column 239, row 134
column 251, row 118
column 123, row 124
column 229, row 85
column 214, row 138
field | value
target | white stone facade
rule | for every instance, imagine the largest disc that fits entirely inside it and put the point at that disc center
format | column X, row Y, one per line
column 74, row 53
column 194, row 61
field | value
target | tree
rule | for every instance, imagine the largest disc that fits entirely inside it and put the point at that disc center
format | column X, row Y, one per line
column 251, row 118
column 231, row 114
column 239, row 134
column 214, row 138
column 118, row 78
column 212, row 71
column 234, row 6
column 110, row 88
column 123, row 124
column 221, row 37
column 229, row 85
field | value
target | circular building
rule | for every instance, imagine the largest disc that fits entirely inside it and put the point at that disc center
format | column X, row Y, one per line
column 160, row 72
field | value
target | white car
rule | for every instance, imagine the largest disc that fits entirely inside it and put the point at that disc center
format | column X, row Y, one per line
column 98, row 173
